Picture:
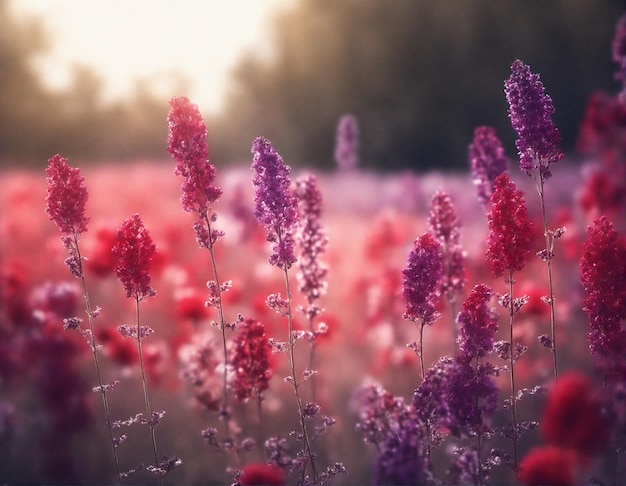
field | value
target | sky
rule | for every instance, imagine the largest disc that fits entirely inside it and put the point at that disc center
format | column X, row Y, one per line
column 123, row 40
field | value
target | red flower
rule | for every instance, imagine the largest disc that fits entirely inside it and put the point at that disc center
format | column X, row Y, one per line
column 102, row 260
column 118, row 348
column 134, row 250
column 66, row 196
column 510, row 228
column 190, row 304
column 251, row 361
column 262, row 475
column 547, row 465
column 573, row 417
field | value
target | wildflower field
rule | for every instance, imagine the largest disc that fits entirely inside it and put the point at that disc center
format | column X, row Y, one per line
column 178, row 324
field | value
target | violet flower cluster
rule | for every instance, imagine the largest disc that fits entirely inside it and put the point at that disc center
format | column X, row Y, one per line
column 347, row 143
column 487, row 161
column 530, row 111
column 619, row 50
column 478, row 324
column 420, row 280
column 135, row 250
column 445, row 225
column 276, row 207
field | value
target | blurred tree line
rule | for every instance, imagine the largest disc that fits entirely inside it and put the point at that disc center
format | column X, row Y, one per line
column 418, row 74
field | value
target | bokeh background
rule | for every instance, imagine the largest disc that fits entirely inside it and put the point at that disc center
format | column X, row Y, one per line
column 92, row 82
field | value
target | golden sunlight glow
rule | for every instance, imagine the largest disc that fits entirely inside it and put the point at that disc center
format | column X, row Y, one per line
column 157, row 40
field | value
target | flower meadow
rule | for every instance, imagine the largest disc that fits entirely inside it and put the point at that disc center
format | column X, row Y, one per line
column 179, row 324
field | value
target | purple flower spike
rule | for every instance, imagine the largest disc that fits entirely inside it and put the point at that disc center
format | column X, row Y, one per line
column 530, row 111
column 66, row 196
column 619, row 49
column 347, row 144
column 487, row 160
column 276, row 207
column 477, row 323
column 134, row 250
column 421, row 278
column 186, row 143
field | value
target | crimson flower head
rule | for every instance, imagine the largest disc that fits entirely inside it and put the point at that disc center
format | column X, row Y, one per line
column 603, row 276
column 478, row 324
column 548, row 465
column 186, row 143
column 487, row 160
column 530, row 111
column 251, row 361
column 573, row 417
column 510, row 228
column 421, row 278
column 134, row 250
column 66, row 196
column 259, row 474
column 276, row 207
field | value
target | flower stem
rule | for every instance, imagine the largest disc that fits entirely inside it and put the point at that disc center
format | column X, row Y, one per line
column 94, row 350
column 292, row 366
column 549, row 248
column 146, row 396
column 511, row 371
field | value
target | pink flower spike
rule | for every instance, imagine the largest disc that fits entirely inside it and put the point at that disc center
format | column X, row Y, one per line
column 66, row 196
column 186, row 143
column 510, row 228
column 134, row 250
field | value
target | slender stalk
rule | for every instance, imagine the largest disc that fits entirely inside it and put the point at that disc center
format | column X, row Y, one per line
column 222, row 323
column 146, row 396
column 421, row 348
column 94, row 350
column 511, row 372
column 312, row 359
column 549, row 247
column 292, row 366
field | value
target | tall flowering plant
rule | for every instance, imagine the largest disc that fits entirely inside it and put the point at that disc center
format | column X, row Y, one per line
column 508, row 250
column 66, row 201
column 530, row 112
column 487, row 161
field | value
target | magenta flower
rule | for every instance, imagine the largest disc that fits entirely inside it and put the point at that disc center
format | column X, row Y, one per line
column 251, row 361
column 66, row 196
column 478, row 324
column 186, row 143
column 276, row 207
column 603, row 276
column 530, row 111
column 619, row 49
column 421, row 278
column 487, row 160
column 134, row 250
column 445, row 225
column 312, row 240
column 510, row 228
column 347, row 143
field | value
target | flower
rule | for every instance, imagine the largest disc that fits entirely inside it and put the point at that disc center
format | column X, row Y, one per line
column 250, row 361
column 510, row 228
column 186, row 143
column 547, row 465
column 487, row 160
column 66, row 196
column 573, row 418
column 347, row 144
column 445, row 225
column 311, row 239
column 530, row 111
column 603, row 277
column 261, row 475
column 420, row 279
column 478, row 324
column 134, row 250
column 276, row 207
